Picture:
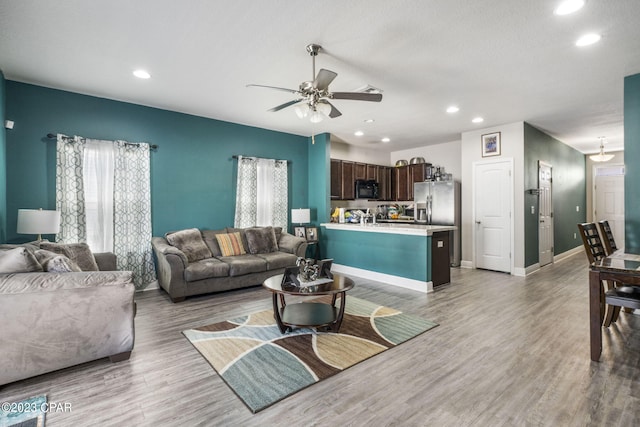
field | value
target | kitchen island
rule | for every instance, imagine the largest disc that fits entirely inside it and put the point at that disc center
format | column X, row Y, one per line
column 400, row 254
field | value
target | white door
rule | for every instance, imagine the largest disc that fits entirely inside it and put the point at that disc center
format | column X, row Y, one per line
column 609, row 200
column 545, row 217
column 492, row 216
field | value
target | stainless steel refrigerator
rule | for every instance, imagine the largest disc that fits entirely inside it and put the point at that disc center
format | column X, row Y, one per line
column 438, row 203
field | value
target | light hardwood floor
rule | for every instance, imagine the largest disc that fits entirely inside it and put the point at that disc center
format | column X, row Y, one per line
column 509, row 351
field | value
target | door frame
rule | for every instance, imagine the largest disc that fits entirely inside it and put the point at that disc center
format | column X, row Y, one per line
column 509, row 161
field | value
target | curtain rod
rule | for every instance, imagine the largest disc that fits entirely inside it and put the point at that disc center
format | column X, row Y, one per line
column 236, row 156
column 53, row 136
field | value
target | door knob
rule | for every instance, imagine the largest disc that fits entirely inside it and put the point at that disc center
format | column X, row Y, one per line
column 478, row 222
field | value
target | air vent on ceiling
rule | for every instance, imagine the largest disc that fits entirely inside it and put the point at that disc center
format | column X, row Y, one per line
column 368, row 89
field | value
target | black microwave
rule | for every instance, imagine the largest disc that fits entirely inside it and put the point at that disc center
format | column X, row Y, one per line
column 366, row 189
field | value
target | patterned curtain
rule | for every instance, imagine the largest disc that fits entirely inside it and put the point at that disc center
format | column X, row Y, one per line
column 261, row 193
column 246, row 193
column 132, row 211
column 280, row 208
column 70, row 190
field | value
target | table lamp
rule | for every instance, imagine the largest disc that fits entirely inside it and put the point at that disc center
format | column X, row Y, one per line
column 38, row 221
column 301, row 216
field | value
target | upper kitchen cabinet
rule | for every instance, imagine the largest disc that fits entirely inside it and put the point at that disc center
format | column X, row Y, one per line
column 342, row 180
column 401, row 183
column 385, row 182
column 372, row 173
column 406, row 176
column 360, row 171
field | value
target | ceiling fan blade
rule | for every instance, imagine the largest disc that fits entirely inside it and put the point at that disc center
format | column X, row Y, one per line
column 323, row 79
column 357, row 96
column 286, row 104
column 334, row 111
column 276, row 88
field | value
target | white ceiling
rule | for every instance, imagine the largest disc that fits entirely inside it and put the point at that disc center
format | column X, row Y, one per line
column 504, row 60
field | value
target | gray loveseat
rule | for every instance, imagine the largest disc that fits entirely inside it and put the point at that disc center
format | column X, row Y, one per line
column 193, row 262
column 53, row 320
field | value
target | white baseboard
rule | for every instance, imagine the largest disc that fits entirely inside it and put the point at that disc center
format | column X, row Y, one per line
column 567, row 254
column 466, row 264
column 403, row 282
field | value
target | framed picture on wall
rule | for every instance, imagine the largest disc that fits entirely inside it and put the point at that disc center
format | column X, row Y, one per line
column 491, row 144
column 312, row 234
column 300, row 232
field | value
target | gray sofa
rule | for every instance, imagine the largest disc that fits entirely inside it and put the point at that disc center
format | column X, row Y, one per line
column 53, row 320
column 193, row 262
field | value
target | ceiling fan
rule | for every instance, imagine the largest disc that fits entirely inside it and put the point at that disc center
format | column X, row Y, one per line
column 313, row 96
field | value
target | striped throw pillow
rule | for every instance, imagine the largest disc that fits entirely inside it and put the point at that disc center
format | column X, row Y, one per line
column 230, row 244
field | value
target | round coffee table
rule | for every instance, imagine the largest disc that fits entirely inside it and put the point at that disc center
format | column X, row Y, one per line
column 308, row 314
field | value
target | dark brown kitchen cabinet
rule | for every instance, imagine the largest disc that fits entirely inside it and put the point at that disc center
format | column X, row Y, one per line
column 440, row 261
column 418, row 172
column 359, row 171
column 385, row 188
column 372, row 173
column 336, row 179
column 401, row 183
column 342, row 180
column 348, row 181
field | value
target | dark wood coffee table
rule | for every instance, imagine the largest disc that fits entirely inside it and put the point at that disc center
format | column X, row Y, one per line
column 309, row 314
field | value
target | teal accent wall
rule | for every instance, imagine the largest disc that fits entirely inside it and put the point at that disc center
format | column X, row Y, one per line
column 632, row 167
column 395, row 254
column 3, row 161
column 320, row 178
column 192, row 172
column 568, row 191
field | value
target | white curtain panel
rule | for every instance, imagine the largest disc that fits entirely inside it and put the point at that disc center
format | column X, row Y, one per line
column 132, row 211
column 264, row 215
column 70, row 190
column 98, row 172
column 246, row 193
column 261, row 193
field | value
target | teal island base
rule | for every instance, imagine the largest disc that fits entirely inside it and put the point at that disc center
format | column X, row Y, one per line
column 390, row 253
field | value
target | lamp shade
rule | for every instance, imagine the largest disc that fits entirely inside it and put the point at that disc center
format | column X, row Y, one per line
column 37, row 221
column 301, row 216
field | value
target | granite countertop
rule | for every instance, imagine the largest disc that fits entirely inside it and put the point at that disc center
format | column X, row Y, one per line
column 391, row 228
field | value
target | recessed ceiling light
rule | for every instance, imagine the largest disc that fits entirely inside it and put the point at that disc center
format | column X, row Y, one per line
column 588, row 39
column 385, row 139
column 358, row 133
column 478, row 120
column 568, row 6
column 141, row 74
column 453, row 109
column 369, row 121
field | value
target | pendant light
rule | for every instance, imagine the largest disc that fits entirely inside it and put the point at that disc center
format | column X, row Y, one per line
column 601, row 157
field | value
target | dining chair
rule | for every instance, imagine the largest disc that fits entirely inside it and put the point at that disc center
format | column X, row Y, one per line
column 625, row 296
column 595, row 250
column 607, row 237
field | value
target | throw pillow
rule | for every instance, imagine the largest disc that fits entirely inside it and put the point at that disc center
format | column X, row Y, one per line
column 230, row 244
column 278, row 231
column 62, row 264
column 18, row 260
column 55, row 263
column 79, row 253
column 261, row 240
column 191, row 243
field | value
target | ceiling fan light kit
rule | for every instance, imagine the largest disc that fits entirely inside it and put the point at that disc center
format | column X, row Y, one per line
column 314, row 95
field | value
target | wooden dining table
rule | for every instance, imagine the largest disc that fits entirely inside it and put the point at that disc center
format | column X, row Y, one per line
column 619, row 267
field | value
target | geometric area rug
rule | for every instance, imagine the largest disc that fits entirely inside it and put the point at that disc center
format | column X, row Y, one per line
column 262, row 365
